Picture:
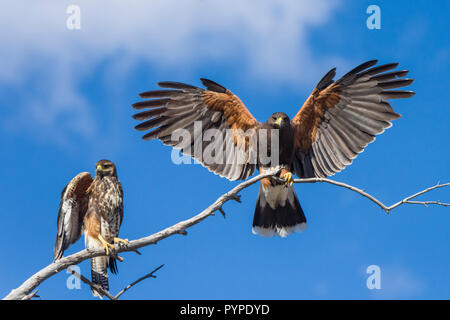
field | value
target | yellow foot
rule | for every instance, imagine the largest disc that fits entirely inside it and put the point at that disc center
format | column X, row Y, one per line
column 118, row 240
column 106, row 244
column 288, row 177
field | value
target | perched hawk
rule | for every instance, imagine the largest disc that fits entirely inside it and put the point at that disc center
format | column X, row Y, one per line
column 95, row 208
column 337, row 121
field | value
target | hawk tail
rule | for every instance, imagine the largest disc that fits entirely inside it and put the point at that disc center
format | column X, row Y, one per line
column 278, row 212
column 99, row 274
column 99, row 267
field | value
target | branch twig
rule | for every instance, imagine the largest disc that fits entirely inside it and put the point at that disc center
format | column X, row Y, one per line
column 31, row 295
column 180, row 228
column 100, row 290
column 149, row 275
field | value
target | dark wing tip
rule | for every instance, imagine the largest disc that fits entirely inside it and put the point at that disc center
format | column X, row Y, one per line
column 146, row 125
column 148, row 114
column 143, row 95
column 362, row 67
column 398, row 83
column 149, row 136
column 159, row 93
column 150, row 103
column 369, row 63
column 350, row 76
column 137, row 105
column 397, row 94
column 402, row 73
column 327, row 79
column 392, row 65
column 175, row 85
column 213, row 86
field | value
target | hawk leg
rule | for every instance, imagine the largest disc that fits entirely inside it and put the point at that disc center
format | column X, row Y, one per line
column 106, row 244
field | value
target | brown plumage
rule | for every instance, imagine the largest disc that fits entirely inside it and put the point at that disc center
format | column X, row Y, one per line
column 94, row 207
column 72, row 208
column 337, row 121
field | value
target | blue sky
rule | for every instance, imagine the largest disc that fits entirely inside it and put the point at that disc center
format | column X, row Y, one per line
column 65, row 103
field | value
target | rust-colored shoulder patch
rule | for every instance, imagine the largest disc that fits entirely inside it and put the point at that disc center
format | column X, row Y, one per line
column 236, row 114
column 307, row 120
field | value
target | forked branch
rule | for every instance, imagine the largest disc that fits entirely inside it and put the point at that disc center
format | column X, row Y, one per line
column 386, row 208
column 106, row 293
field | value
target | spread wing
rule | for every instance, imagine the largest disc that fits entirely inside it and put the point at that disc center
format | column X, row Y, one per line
column 339, row 119
column 220, row 132
column 72, row 208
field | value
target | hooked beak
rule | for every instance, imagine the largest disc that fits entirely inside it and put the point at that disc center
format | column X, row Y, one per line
column 99, row 168
column 279, row 121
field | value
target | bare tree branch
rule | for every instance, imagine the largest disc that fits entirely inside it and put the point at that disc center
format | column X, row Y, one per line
column 180, row 228
column 386, row 208
column 407, row 199
column 149, row 275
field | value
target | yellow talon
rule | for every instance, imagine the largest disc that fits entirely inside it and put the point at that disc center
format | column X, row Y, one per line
column 288, row 177
column 106, row 244
column 118, row 240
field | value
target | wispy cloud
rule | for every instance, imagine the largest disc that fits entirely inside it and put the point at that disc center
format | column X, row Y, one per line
column 44, row 64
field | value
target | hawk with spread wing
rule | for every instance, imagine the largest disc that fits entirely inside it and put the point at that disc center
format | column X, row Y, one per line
column 93, row 207
column 337, row 121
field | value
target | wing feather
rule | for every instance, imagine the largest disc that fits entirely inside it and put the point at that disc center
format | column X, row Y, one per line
column 72, row 209
column 215, row 107
column 339, row 119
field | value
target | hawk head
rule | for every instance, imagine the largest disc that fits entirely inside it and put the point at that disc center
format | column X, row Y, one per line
column 278, row 120
column 105, row 168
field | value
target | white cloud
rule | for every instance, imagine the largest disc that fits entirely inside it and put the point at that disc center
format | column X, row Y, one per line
column 45, row 64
